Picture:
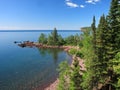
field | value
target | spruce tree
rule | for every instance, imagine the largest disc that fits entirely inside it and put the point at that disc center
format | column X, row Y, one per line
column 64, row 71
column 94, row 60
column 93, row 27
column 75, row 77
column 114, row 28
column 89, row 79
column 113, row 34
column 116, row 68
column 101, row 63
column 55, row 36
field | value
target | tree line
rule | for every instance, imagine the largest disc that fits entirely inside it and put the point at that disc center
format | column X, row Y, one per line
column 55, row 39
column 100, row 49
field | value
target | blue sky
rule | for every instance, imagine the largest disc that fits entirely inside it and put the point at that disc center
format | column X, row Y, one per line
column 47, row 14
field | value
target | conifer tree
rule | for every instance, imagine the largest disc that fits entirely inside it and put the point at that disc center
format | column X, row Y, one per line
column 75, row 77
column 101, row 63
column 116, row 68
column 94, row 60
column 114, row 28
column 88, row 52
column 55, row 36
column 64, row 71
column 93, row 27
column 113, row 34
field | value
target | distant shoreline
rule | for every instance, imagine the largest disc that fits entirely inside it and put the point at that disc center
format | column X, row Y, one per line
column 39, row 30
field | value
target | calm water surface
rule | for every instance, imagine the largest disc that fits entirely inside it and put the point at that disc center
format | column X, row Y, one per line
column 28, row 68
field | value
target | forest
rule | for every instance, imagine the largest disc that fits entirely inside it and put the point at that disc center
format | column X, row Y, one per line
column 100, row 49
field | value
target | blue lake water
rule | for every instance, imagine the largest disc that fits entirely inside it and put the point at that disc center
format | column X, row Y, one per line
column 28, row 68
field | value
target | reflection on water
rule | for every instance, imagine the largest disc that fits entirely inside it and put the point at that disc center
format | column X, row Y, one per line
column 35, row 69
column 27, row 68
column 54, row 52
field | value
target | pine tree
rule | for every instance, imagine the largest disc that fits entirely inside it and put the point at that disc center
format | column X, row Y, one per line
column 93, row 27
column 114, row 28
column 116, row 68
column 55, row 36
column 113, row 34
column 101, row 63
column 94, row 60
column 42, row 38
column 75, row 77
column 88, row 52
column 64, row 73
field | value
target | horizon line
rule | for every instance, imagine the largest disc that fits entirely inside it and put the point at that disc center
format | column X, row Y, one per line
column 33, row 29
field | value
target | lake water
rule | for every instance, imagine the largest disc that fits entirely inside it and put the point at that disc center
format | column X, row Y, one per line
column 28, row 68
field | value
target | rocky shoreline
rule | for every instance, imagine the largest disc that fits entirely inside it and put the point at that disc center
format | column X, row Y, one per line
column 40, row 45
column 52, row 86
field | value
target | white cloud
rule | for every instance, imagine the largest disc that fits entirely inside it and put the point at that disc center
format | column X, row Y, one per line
column 92, row 1
column 70, row 4
column 67, row 0
column 82, row 6
column 73, row 5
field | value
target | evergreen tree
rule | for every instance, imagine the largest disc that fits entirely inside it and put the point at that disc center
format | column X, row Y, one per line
column 114, row 27
column 93, row 27
column 50, row 40
column 88, row 54
column 101, row 64
column 43, row 38
column 116, row 68
column 60, row 40
column 55, row 36
column 70, row 40
column 94, row 59
column 113, row 38
column 75, row 77
column 64, row 73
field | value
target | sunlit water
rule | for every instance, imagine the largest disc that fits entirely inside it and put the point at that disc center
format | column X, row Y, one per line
column 28, row 68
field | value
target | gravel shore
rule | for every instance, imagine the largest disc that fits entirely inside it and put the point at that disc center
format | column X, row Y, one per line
column 52, row 86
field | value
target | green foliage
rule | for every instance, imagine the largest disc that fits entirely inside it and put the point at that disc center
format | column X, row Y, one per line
column 75, row 77
column 87, row 46
column 64, row 71
column 101, row 44
column 87, row 51
column 70, row 78
column 113, row 39
column 73, row 40
column 72, row 51
column 54, row 35
column 55, row 39
column 101, row 50
column 116, row 63
column 116, row 68
column 60, row 40
column 42, row 38
column 50, row 40
column 114, row 26
column 70, row 40
column 79, row 54
column 86, row 30
column 93, row 27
